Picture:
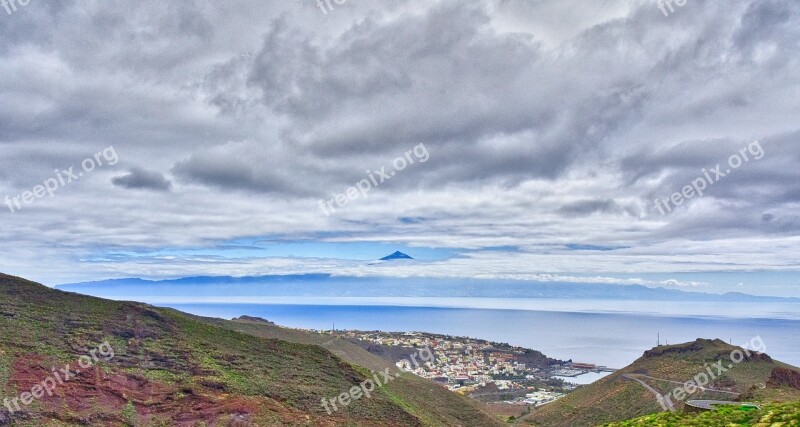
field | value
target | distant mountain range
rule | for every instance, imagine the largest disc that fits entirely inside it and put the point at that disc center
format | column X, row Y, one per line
column 328, row 285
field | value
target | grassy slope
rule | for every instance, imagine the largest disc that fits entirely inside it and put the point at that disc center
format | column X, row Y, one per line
column 427, row 401
column 776, row 415
column 175, row 369
column 614, row 398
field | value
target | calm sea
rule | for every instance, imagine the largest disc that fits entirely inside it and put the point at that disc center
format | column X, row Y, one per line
column 605, row 332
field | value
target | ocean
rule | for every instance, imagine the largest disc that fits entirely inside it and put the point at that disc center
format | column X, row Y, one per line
column 607, row 332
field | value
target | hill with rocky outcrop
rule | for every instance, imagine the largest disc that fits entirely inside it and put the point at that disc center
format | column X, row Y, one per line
column 657, row 382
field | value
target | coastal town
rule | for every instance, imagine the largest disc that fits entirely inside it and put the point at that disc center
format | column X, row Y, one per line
column 489, row 371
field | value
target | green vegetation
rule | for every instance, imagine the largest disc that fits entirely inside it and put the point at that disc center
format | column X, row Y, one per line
column 129, row 414
column 616, row 398
column 172, row 368
column 777, row 415
column 425, row 400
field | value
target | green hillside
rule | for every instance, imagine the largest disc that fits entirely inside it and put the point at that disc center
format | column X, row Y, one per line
column 421, row 397
column 624, row 394
column 776, row 415
column 173, row 369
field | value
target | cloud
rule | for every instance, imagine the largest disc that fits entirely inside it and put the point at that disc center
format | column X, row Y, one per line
column 549, row 123
column 681, row 284
column 588, row 207
column 138, row 178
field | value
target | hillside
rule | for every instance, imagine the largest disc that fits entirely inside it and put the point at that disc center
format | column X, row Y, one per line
column 629, row 393
column 421, row 396
column 161, row 367
column 783, row 415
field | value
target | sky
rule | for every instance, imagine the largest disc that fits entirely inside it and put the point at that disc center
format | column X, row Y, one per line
column 523, row 139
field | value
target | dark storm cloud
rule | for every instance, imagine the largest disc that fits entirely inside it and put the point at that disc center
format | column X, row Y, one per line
column 139, row 178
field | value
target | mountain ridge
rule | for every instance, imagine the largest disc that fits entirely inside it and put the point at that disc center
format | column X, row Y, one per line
column 445, row 287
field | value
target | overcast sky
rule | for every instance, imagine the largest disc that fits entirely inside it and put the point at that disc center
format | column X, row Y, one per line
column 548, row 129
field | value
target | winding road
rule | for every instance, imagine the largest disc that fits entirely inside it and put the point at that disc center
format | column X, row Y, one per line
column 663, row 400
column 733, row 393
column 666, row 404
